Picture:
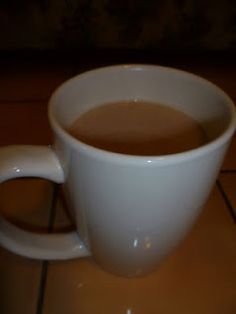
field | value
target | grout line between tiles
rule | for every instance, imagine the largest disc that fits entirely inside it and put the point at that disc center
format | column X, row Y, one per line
column 226, row 171
column 26, row 101
column 44, row 269
column 53, row 208
column 42, row 285
column 227, row 201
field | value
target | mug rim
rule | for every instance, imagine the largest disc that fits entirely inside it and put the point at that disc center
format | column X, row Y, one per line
column 144, row 159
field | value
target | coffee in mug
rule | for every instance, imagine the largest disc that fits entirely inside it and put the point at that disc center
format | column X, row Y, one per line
column 137, row 149
column 138, row 128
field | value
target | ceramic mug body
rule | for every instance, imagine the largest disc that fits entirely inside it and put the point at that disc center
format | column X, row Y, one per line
column 132, row 211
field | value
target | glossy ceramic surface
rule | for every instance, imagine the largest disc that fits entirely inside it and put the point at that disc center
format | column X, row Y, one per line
column 132, row 211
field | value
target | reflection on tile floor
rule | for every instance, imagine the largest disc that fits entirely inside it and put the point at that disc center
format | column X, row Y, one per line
column 199, row 277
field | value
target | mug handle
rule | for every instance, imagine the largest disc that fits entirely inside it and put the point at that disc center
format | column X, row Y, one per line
column 36, row 161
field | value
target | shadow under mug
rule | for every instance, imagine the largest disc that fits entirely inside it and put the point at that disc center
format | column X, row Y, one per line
column 130, row 211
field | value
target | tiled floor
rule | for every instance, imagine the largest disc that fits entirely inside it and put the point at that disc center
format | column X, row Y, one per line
column 198, row 278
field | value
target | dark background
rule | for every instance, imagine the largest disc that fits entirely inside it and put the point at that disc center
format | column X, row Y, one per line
column 111, row 31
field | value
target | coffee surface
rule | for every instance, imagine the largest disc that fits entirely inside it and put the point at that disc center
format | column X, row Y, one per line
column 138, row 128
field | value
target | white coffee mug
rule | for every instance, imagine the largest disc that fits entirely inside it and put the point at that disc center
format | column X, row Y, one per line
column 130, row 211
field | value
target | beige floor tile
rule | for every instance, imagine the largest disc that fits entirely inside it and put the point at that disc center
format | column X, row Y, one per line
column 230, row 158
column 228, row 182
column 24, row 123
column 26, row 202
column 31, row 83
column 19, row 284
column 199, row 278
column 62, row 221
